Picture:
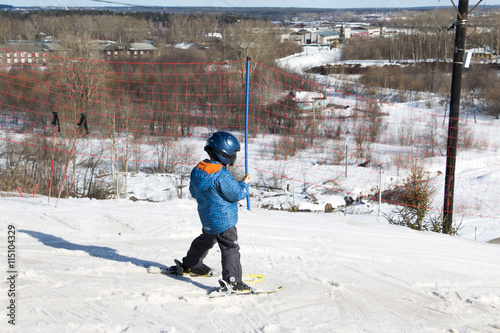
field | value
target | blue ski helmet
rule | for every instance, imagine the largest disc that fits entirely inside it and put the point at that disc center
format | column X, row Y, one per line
column 223, row 146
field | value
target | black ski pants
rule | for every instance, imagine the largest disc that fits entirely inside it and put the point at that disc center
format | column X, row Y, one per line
column 230, row 253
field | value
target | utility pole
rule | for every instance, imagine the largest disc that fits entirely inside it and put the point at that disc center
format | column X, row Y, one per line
column 456, row 85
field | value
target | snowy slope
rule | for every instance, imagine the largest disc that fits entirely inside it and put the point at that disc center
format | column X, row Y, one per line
column 81, row 268
column 80, row 271
column 310, row 57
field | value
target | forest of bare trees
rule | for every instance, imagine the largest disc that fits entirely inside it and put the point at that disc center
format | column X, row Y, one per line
column 156, row 102
column 160, row 102
column 424, row 43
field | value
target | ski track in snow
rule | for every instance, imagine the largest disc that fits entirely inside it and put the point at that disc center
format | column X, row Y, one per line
column 83, row 272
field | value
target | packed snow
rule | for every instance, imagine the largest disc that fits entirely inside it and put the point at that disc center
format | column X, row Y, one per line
column 80, row 266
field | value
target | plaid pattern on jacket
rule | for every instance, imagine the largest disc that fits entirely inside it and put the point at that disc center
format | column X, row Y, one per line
column 217, row 194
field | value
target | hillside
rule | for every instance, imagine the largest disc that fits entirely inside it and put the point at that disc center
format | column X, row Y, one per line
column 80, row 266
column 80, row 270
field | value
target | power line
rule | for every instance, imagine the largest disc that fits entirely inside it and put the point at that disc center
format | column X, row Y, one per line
column 126, row 4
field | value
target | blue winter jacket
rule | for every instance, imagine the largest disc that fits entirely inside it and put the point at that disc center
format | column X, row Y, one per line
column 217, row 194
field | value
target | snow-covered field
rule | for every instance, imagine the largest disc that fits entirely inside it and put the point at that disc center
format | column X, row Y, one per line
column 80, row 270
column 80, row 266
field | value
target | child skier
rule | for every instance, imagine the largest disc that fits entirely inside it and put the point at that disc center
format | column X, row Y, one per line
column 217, row 194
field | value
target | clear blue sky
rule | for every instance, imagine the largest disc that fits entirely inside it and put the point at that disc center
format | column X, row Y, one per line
column 252, row 3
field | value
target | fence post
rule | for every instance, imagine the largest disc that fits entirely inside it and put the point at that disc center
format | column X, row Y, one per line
column 81, row 123
column 380, row 191
column 247, row 102
column 21, row 193
column 55, row 122
column 346, row 142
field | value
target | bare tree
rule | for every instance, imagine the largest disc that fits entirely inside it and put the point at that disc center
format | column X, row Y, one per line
column 249, row 38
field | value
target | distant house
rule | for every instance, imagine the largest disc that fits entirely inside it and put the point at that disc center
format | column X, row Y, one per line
column 308, row 100
column 327, row 36
column 302, row 37
column 25, row 52
column 282, row 34
column 481, row 53
column 374, row 31
column 359, row 32
column 129, row 50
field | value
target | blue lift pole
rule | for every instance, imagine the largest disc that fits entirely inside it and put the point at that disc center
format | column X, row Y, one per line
column 247, row 102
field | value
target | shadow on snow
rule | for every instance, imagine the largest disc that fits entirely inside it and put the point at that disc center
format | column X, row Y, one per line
column 102, row 252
